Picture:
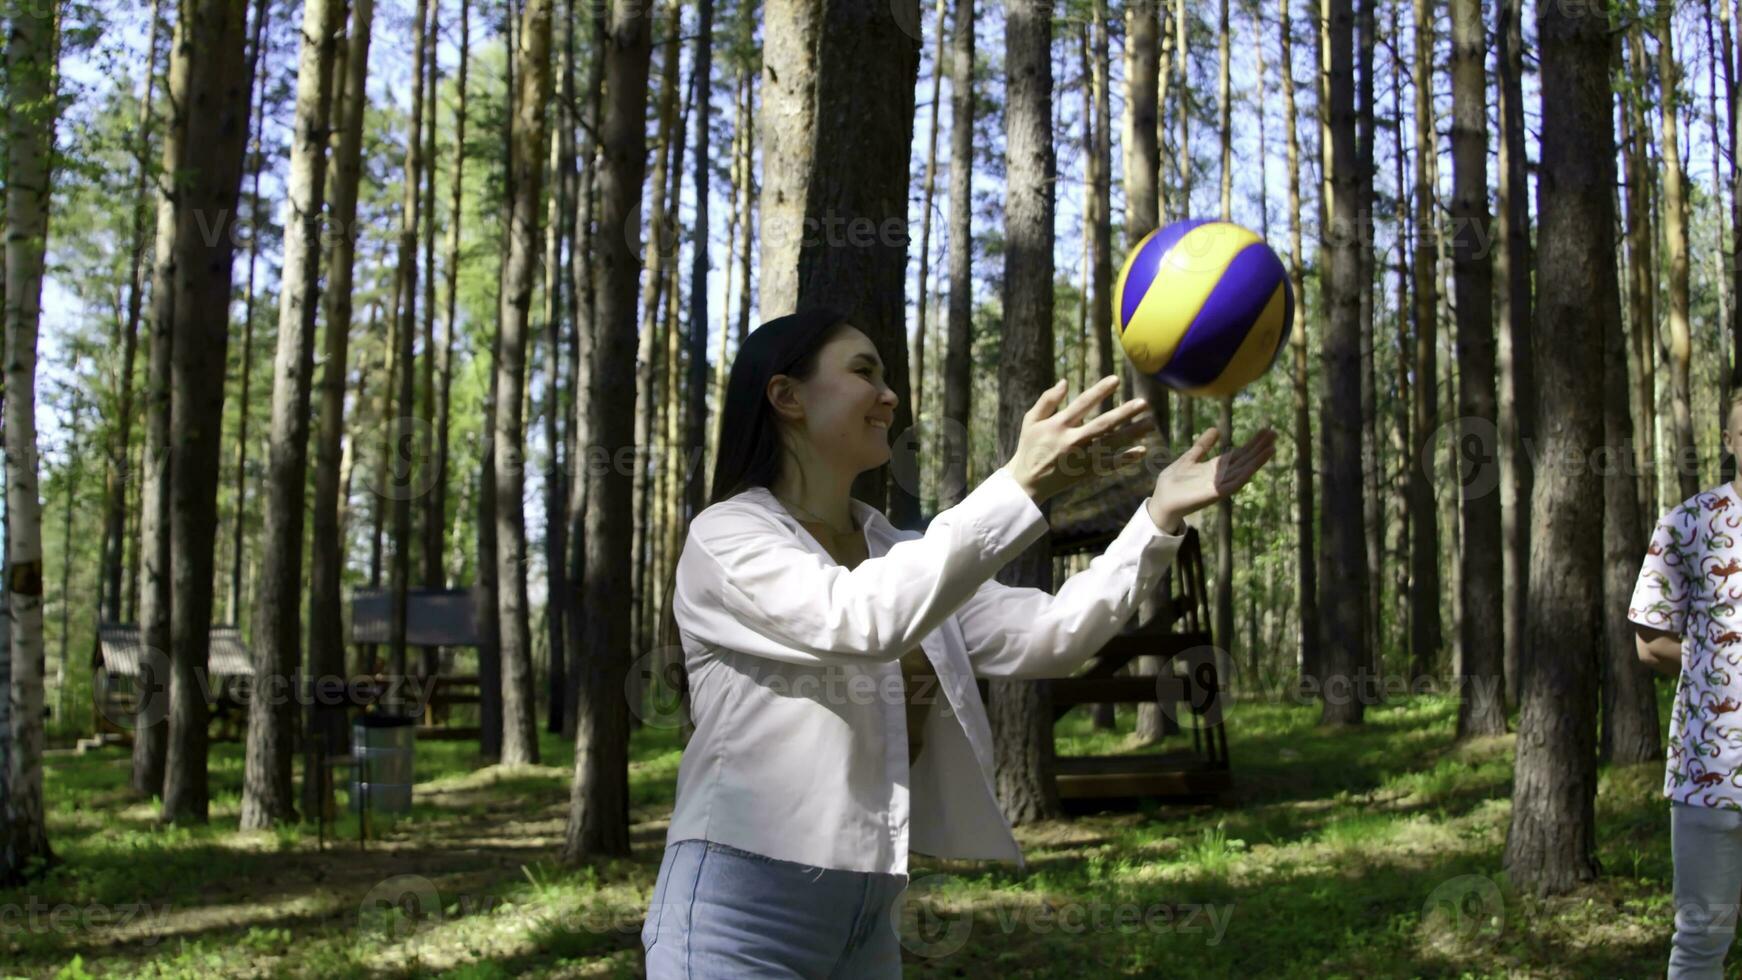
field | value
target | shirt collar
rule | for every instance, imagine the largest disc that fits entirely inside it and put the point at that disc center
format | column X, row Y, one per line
column 868, row 517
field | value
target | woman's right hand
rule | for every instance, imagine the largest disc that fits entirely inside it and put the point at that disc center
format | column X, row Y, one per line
column 1057, row 449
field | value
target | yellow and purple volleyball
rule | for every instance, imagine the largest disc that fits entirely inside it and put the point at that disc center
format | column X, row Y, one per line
column 1203, row 306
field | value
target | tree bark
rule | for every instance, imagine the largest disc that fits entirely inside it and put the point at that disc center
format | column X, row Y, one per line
column 32, row 59
column 532, row 74
column 1306, row 561
column 118, row 476
column 696, row 422
column 1517, row 367
column 957, row 378
column 555, row 284
column 1482, row 705
column 326, row 641
column 1021, row 711
column 787, row 126
column 256, row 163
column 1426, row 635
column 598, row 819
column 1345, row 623
column 209, row 37
column 1675, row 233
column 267, row 795
column 1550, row 847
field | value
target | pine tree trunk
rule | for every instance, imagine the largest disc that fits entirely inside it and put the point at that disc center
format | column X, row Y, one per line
column 209, row 36
column 1482, row 705
column 32, row 59
column 649, row 349
column 586, row 325
column 1400, row 401
column 1426, row 636
column 256, row 163
column 555, row 283
column 533, row 78
column 928, row 186
column 1372, row 452
column 267, row 794
column 1098, row 299
column 1021, row 711
column 696, row 422
column 326, row 726
column 1675, row 233
column 433, row 504
column 598, row 819
column 1345, row 625
column 118, row 476
column 867, row 68
column 1550, row 847
column 1224, row 605
column 787, row 126
column 1306, row 568
column 402, row 487
column 958, row 390
column 1517, row 366
column 451, row 268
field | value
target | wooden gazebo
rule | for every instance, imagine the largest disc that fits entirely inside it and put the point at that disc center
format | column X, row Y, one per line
column 434, row 619
column 115, row 666
column 1085, row 519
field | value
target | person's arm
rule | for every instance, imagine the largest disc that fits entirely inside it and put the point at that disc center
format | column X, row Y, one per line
column 1024, row 632
column 746, row 584
column 1660, row 650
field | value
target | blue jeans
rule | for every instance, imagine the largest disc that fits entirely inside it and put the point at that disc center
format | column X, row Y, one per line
column 718, row 911
column 1707, row 845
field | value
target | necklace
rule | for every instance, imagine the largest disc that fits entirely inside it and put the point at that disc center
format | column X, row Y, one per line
column 797, row 511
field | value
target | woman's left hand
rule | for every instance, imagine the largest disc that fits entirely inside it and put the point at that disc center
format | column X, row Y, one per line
column 1191, row 482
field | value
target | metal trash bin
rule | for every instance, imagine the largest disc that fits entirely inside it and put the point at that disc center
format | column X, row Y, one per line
column 384, row 745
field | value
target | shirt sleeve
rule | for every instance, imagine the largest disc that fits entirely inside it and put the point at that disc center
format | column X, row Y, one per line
column 1025, row 632
column 1660, row 596
column 746, row 584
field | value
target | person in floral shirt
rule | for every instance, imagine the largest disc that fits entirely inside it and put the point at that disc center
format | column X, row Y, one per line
column 1687, row 616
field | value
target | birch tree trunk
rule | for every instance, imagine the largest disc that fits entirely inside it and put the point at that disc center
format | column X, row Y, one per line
column 32, row 104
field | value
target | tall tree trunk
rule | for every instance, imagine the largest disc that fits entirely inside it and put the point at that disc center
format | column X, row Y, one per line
column 451, row 270
column 649, row 350
column 267, row 794
column 209, row 36
column 1401, row 405
column 1551, row 844
column 958, row 387
column 586, row 322
column 325, row 724
column 787, row 126
column 928, row 186
column 1482, row 706
column 1372, row 455
column 1675, row 233
column 598, row 819
column 1224, row 608
column 1345, row 623
column 1306, row 567
column 1426, row 636
column 1098, row 299
column 256, row 163
column 402, row 486
column 532, row 74
column 696, row 424
column 32, row 59
column 1517, row 367
column 867, row 68
column 1021, row 711
column 1641, row 273
column 434, row 505
column 555, row 284
column 118, row 477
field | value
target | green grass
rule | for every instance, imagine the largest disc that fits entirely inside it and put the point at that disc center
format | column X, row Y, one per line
column 1372, row 851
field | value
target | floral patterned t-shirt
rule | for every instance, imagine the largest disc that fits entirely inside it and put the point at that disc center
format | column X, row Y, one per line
column 1691, row 583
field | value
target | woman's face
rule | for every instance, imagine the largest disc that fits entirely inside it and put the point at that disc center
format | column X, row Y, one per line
column 847, row 408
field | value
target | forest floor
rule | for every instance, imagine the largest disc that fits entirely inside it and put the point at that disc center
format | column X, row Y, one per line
column 1370, row 851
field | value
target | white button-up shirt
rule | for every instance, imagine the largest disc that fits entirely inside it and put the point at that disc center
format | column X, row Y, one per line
column 800, row 743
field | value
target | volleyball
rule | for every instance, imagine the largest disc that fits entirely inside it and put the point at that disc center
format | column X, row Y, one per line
column 1205, row 307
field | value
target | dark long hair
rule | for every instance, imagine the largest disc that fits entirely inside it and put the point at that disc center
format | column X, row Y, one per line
column 750, row 451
